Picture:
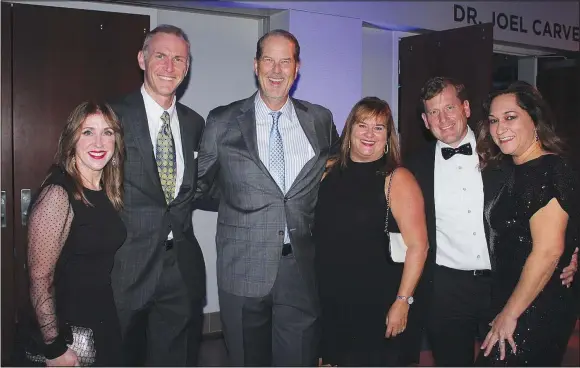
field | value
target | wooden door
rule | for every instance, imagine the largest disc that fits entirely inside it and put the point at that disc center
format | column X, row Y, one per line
column 7, row 234
column 60, row 57
column 463, row 53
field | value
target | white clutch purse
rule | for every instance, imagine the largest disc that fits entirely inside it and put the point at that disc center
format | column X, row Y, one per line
column 397, row 246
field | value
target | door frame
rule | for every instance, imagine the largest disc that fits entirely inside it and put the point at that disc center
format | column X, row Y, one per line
column 498, row 47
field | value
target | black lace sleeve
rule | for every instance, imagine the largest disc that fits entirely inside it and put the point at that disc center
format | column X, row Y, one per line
column 48, row 227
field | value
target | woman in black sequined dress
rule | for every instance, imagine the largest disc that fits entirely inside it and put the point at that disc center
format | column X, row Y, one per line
column 534, row 228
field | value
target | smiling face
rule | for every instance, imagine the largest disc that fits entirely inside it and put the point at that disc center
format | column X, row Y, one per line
column 276, row 71
column 95, row 146
column 165, row 63
column 511, row 127
column 446, row 116
column 368, row 139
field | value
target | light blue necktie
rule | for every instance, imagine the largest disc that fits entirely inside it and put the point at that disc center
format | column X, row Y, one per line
column 276, row 158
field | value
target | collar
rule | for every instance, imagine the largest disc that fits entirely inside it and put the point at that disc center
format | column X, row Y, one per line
column 152, row 106
column 286, row 110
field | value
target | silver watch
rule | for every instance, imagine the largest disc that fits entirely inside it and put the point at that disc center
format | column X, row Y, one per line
column 409, row 299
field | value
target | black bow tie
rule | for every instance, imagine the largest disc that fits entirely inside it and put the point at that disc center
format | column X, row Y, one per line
column 464, row 149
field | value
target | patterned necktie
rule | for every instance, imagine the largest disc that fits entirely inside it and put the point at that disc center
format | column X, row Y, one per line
column 464, row 149
column 276, row 158
column 165, row 157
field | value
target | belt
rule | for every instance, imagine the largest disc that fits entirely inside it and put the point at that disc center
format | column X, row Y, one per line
column 483, row 273
column 168, row 244
column 286, row 249
column 474, row 273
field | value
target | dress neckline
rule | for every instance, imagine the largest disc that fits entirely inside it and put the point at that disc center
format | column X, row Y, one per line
column 534, row 162
column 376, row 162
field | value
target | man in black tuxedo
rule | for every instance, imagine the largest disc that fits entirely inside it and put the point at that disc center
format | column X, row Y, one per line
column 458, row 268
column 159, row 273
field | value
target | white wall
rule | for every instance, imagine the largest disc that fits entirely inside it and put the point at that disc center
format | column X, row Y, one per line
column 528, row 69
column 379, row 67
column 221, row 71
column 330, row 71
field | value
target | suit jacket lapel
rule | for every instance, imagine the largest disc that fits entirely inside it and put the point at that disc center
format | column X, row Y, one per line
column 429, row 194
column 138, row 128
column 187, row 137
column 310, row 129
column 247, row 123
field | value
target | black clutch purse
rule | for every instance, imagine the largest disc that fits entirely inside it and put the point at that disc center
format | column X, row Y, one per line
column 80, row 340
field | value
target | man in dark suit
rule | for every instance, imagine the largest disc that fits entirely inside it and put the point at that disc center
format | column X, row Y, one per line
column 267, row 154
column 159, row 272
column 457, row 273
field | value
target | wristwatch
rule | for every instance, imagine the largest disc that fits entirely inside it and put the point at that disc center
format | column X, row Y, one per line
column 409, row 299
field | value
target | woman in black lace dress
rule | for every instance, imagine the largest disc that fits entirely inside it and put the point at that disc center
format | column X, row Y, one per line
column 368, row 315
column 74, row 231
column 534, row 228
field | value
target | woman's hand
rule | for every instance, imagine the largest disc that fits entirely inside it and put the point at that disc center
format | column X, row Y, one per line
column 68, row 359
column 396, row 320
column 502, row 329
column 569, row 271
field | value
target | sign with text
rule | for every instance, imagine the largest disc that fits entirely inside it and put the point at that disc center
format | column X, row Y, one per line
column 469, row 15
column 553, row 24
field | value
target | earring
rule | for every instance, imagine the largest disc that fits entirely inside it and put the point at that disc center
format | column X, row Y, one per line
column 536, row 135
column 386, row 149
column 73, row 160
column 114, row 161
column 349, row 144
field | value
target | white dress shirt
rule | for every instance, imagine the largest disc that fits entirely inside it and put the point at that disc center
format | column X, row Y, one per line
column 297, row 148
column 154, row 112
column 461, row 241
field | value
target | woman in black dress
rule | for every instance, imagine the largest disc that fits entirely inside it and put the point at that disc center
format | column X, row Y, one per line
column 534, row 228
column 74, row 231
column 368, row 315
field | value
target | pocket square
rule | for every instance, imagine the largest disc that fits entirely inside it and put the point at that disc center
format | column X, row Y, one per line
column 195, row 154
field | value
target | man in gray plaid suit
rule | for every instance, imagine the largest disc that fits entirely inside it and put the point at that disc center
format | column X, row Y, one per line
column 266, row 155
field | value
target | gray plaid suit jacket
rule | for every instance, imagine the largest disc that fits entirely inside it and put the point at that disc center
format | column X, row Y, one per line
column 252, row 209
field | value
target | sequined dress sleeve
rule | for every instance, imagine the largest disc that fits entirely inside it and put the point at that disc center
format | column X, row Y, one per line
column 48, row 227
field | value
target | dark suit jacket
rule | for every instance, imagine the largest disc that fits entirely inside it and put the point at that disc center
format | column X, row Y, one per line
column 252, row 209
column 422, row 165
column 148, row 218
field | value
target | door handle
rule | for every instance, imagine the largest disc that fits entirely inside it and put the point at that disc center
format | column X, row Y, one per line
column 3, row 209
column 24, row 203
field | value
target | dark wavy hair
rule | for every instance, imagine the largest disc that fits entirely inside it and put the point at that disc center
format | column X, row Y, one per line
column 369, row 108
column 531, row 101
